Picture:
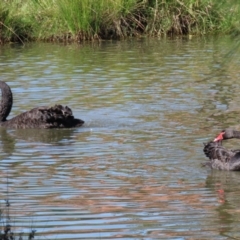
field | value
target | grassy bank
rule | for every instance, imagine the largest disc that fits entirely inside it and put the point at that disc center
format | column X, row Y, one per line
column 78, row 20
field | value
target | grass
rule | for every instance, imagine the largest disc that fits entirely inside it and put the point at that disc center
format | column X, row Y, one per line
column 79, row 20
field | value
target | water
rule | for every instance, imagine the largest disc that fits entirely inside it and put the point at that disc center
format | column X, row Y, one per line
column 133, row 171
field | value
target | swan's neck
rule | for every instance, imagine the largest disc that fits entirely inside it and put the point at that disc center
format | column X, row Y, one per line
column 6, row 102
column 236, row 134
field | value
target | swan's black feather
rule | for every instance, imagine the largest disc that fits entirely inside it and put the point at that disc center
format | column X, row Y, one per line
column 222, row 158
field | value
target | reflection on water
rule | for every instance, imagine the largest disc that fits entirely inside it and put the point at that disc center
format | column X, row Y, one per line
column 133, row 171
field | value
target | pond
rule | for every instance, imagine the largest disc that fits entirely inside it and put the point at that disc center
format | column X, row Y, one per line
column 133, row 171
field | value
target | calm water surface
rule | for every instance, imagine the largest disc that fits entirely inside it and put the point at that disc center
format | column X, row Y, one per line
column 133, row 171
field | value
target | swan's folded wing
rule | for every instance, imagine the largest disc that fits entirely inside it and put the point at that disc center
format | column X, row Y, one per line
column 213, row 150
column 57, row 116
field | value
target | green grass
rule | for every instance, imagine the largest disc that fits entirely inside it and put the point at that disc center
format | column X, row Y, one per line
column 78, row 20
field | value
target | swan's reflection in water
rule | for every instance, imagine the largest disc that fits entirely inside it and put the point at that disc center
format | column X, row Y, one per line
column 7, row 142
column 226, row 184
column 9, row 137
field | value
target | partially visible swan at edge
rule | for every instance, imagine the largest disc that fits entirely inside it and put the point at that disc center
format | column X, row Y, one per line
column 56, row 116
column 220, row 157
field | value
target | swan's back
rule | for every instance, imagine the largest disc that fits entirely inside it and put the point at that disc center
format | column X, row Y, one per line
column 45, row 117
column 222, row 158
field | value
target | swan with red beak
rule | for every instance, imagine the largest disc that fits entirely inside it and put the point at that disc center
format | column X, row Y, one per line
column 220, row 157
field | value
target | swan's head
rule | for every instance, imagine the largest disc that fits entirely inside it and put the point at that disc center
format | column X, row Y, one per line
column 226, row 134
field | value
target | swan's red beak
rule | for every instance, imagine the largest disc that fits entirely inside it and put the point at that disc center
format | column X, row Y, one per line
column 219, row 137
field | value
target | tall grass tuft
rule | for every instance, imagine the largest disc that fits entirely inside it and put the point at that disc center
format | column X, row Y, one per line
column 14, row 24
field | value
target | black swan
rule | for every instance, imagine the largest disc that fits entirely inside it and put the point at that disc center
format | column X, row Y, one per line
column 220, row 157
column 56, row 116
